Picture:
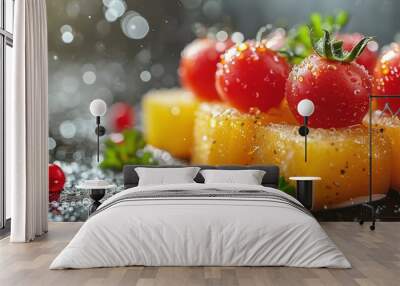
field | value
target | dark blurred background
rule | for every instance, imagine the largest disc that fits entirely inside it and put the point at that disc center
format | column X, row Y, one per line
column 117, row 50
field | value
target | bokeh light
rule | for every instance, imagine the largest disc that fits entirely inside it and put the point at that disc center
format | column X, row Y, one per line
column 67, row 129
column 111, row 15
column 51, row 143
column 134, row 26
column 89, row 77
column 145, row 76
column 67, row 37
column 66, row 28
column 237, row 37
column 222, row 36
column 114, row 9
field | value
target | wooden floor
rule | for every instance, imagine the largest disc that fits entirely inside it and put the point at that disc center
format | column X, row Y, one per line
column 375, row 257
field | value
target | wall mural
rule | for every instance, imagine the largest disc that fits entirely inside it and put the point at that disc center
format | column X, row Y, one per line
column 194, row 82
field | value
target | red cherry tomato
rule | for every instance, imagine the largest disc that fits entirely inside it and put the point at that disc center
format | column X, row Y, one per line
column 198, row 65
column 339, row 91
column 252, row 76
column 387, row 77
column 368, row 57
column 56, row 178
column 121, row 117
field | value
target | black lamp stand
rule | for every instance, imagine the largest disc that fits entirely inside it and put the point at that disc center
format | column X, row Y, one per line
column 100, row 131
column 369, row 205
column 303, row 131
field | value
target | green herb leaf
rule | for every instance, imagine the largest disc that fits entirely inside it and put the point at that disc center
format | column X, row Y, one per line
column 341, row 19
column 357, row 50
column 300, row 43
column 284, row 186
column 333, row 50
column 129, row 151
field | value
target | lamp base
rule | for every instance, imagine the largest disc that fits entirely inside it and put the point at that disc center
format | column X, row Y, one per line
column 373, row 212
column 100, row 130
column 303, row 130
column 96, row 195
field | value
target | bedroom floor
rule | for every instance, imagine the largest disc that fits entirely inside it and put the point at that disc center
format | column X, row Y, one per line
column 375, row 257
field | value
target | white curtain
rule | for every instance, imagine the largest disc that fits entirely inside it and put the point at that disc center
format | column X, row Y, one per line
column 27, row 123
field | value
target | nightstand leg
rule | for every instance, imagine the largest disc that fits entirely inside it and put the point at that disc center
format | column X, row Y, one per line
column 304, row 193
column 96, row 195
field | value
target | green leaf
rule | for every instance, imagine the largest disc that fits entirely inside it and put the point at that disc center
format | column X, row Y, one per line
column 129, row 151
column 333, row 50
column 284, row 186
column 337, row 49
column 304, row 35
column 317, row 44
column 316, row 23
column 357, row 49
column 327, row 45
column 341, row 19
column 299, row 44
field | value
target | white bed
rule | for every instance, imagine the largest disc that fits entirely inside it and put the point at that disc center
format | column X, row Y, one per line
column 246, row 225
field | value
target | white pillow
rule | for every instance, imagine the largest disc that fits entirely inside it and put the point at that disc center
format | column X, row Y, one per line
column 163, row 176
column 248, row 177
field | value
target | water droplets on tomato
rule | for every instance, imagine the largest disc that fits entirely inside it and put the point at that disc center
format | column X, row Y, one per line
column 384, row 69
column 332, row 67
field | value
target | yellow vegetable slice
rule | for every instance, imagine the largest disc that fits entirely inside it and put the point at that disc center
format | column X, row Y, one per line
column 339, row 157
column 168, row 118
column 224, row 135
column 390, row 126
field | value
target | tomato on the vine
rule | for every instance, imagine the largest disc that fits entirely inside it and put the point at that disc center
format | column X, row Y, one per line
column 338, row 87
column 369, row 55
column 198, row 65
column 387, row 77
column 250, row 75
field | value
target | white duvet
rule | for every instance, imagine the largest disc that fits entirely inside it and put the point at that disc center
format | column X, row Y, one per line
column 200, row 231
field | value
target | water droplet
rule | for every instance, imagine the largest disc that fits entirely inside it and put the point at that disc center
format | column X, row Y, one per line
column 175, row 110
column 384, row 69
column 242, row 47
column 356, row 91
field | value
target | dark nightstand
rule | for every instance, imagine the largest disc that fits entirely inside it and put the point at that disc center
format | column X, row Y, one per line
column 96, row 193
column 304, row 190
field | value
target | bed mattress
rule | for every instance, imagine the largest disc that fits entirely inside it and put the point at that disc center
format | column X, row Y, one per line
column 201, row 225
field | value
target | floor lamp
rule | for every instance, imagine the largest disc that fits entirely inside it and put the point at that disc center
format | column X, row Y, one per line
column 305, row 108
column 369, row 205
